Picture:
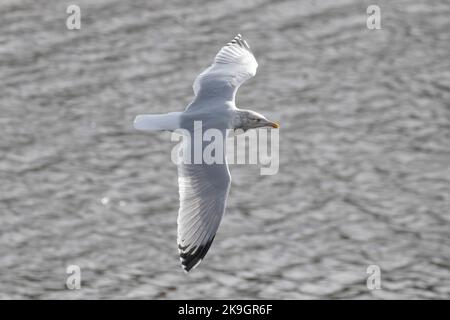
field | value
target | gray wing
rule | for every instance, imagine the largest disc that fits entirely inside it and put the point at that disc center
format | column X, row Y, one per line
column 233, row 65
column 203, row 194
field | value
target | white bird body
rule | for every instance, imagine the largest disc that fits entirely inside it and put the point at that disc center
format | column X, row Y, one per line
column 204, row 187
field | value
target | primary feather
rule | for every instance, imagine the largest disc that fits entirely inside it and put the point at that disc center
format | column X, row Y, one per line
column 233, row 65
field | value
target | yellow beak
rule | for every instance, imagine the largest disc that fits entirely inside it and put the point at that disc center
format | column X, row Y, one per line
column 274, row 125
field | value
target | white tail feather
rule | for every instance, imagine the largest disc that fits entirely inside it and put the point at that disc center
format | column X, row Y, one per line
column 169, row 121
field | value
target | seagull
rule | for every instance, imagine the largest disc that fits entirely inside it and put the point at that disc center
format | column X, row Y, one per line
column 203, row 188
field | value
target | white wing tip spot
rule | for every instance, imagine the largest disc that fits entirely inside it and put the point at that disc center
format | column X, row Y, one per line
column 239, row 41
column 184, row 267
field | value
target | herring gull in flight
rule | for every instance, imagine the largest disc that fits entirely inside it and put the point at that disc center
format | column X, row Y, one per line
column 204, row 187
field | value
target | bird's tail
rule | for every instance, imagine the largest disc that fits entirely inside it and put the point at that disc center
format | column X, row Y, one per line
column 157, row 122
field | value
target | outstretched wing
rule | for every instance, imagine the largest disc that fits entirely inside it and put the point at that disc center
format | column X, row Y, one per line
column 203, row 194
column 232, row 66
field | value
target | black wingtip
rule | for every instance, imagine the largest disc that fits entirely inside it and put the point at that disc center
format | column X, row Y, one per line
column 192, row 258
column 239, row 40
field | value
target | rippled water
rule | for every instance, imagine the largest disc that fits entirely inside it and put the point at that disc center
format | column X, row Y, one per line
column 364, row 157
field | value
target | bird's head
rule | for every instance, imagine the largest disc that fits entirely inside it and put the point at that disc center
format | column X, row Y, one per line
column 248, row 119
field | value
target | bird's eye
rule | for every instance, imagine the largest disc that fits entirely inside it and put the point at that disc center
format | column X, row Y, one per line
column 257, row 120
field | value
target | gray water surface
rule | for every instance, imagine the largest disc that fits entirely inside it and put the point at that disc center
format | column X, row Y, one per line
column 364, row 150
